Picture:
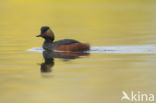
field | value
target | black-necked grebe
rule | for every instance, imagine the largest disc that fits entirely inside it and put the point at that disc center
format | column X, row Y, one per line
column 62, row 45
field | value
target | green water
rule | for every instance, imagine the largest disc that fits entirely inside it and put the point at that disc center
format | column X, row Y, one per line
column 96, row 78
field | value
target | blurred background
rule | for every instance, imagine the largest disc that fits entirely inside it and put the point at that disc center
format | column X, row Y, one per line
column 96, row 78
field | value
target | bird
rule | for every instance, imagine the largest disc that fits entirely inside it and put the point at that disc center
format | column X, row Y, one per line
column 67, row 45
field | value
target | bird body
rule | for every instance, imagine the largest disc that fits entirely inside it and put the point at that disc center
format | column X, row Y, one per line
column 62, row 45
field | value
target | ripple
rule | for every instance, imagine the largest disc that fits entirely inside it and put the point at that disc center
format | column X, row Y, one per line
column 137, row 49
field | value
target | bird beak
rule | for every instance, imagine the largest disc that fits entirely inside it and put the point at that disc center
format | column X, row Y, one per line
column 39, row 35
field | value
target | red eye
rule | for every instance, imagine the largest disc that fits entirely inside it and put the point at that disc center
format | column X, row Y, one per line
column 45, row 33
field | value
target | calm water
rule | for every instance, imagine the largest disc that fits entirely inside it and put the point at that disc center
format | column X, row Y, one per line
column 123, row 39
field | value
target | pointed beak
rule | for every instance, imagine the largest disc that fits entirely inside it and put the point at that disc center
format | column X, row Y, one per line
column 39, row 35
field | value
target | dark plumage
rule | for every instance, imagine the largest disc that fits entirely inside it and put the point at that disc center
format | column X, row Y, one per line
column 64, row 42
column 63, row 45
column 44, row 29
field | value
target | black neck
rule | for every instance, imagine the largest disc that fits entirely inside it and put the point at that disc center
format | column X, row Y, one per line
column 48, row 43
column 49, row 40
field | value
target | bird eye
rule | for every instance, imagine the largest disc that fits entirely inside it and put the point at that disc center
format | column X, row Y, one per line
column 45, row 33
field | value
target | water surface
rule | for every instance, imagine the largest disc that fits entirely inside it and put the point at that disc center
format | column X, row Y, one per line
column 122, row 36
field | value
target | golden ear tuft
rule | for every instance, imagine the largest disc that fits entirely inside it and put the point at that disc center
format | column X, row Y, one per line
column 50, row 33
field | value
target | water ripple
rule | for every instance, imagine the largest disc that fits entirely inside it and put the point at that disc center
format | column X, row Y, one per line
column 137, row 49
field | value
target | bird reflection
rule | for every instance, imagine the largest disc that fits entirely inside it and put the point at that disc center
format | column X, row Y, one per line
column 49, row 56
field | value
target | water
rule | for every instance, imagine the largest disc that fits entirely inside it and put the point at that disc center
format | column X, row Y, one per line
column 122, row 56
column 140, row 49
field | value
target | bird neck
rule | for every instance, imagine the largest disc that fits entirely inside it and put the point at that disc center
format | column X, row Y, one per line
column 49, row 40
column 48, row 44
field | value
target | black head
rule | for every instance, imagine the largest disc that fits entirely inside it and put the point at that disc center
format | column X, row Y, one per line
column 43, row 30
column 46, row 33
